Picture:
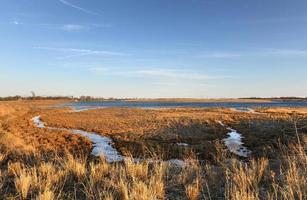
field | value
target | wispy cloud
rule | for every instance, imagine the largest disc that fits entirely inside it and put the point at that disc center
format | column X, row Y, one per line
column 74, row 52
column 174, row 74
column 287, row 52
column 254, row 53
column 162, row 77
column 180, row 83
column 15, row 22
column 73, row 27
column 63, row 27
column 221, row 55
column 78, row 7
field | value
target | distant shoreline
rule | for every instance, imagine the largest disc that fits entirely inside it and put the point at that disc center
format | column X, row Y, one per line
column 197, row 100
column 191, row 100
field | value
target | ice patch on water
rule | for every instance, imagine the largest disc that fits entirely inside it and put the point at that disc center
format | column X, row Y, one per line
column 38, row 123
column 102, row 146
column 235, row 145
column 234, row 142
column 247, row 110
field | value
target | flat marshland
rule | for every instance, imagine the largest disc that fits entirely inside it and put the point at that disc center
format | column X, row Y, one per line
column 55, row 164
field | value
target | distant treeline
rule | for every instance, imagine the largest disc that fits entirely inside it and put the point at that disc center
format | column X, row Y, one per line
column 90, row 98
column 279, row 99
column 15, row 98
column 70, row 98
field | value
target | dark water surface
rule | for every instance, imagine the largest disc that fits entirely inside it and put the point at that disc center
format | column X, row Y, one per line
column 78, row 106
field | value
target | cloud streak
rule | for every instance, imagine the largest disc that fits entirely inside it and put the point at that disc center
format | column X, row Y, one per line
column 73, row 27
column 261, row 52
column 78, row 7
column 221, row 55
column 74, row 52
column 287, row 52
column 64, row 27
column 175, row 74
column 160, row 74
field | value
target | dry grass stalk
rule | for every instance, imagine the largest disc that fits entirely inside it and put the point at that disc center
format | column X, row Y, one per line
column 243, row 180
column 23, row 183
column 47, row 194
column 136, row 170
column 193, row 190
column 2, row 157
column 76, row 166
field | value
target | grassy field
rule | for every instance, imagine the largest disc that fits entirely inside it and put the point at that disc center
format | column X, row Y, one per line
column 46, row 164
column 142, row 131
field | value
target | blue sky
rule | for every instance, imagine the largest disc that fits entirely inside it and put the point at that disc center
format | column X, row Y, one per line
column 154, row 48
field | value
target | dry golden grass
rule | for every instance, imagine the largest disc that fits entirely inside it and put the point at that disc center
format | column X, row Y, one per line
column 77, row 167
column 193, row 190
column 302, row 110
column 19, row 144
column 23, row 183
column 28, row 172
column 138, row 171
column 2, row 157
column 292, row 179
column 242, row 181
column 16, row 125
column 70, row 177
column 140, row 131
column 46, row 195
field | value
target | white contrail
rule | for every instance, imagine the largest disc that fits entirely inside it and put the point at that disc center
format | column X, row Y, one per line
column 77, row 7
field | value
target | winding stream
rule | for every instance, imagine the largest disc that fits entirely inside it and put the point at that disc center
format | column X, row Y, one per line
column 102, row 145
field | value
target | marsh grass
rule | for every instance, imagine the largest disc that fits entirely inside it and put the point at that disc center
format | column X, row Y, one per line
column 75, row 177
column 28, row 173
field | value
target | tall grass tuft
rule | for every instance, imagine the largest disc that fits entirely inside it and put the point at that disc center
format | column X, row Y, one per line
column 46, row 195
column 23, row 183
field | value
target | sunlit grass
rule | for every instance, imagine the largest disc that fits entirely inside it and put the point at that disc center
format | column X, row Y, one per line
column 28, row 173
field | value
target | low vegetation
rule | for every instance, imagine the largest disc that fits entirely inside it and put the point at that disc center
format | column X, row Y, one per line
column 45, row 164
